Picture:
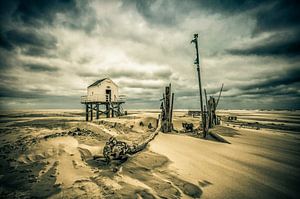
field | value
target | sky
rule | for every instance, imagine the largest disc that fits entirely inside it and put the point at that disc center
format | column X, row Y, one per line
column 50, row 51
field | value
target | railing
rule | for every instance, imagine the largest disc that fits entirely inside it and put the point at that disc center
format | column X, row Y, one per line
column 102, row 98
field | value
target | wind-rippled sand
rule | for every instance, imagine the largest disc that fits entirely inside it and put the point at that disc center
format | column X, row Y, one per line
column 50, row 154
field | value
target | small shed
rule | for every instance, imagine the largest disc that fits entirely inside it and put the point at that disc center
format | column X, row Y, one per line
column 103, row 90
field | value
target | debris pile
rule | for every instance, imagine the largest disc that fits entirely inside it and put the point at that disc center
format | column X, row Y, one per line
column 118, row 150
column 167, row 110
column 188, row 127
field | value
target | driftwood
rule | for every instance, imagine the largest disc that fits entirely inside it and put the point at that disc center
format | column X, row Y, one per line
column 119, row 150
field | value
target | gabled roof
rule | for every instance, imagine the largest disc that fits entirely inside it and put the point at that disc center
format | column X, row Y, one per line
column 99, row 81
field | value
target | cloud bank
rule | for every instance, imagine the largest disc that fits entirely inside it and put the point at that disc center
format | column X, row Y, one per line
column 50, row 51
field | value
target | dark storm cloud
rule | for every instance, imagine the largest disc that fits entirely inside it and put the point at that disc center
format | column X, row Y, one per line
column 281, row 84
column 20, row 38
column 4, row 43
column 4, row 59
column 280, row 44
column 270, row 14
column 40, row 68
column 280, row 15
column 18, row 93
column 38, row 12
column 37, row 52
column 285, row 78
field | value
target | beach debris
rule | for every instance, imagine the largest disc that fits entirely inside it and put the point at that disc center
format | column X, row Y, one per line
column 194, row 113
column 167, row 110
column 118, row 150
column 188, row 127
column 115, row 149
column 231, row 118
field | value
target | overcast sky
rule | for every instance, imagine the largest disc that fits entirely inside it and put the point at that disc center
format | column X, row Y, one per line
column 50, row 51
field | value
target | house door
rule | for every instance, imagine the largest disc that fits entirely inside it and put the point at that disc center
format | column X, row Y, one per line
column 108, row 95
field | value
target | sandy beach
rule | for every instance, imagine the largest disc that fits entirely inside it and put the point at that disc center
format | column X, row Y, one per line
column 53, row 154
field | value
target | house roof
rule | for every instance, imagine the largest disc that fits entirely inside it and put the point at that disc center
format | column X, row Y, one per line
column 101, row 80
column 97, row 82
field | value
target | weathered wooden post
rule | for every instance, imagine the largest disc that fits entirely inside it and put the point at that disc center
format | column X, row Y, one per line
column 167, row 110
column 112, row 111
column 195, row 40
column 171, row 109
column 91, row 111
column 97, row 111
column 86, row 112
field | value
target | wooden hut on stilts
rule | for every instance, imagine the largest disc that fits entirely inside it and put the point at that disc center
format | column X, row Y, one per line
column 103, row 93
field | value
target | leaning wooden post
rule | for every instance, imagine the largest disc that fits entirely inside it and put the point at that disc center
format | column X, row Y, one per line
column 207, row 110
column 86, row 112
column 195, row 40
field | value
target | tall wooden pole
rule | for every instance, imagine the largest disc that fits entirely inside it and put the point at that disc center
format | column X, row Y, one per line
column 195, row 40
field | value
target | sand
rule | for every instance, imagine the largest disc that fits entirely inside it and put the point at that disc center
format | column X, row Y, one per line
column 52, row 154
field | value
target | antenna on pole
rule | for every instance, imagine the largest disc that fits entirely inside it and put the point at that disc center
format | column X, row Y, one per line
column 195, row 41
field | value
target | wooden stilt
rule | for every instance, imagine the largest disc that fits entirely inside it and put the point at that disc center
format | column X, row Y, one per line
column 86, row 112
column 112, row 112
column 110, row 109
column 91, row 112
column 97, row 111
column 107, row 110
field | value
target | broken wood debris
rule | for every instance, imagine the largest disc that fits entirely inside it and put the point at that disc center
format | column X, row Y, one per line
column 167, row 110
column 119, row 150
